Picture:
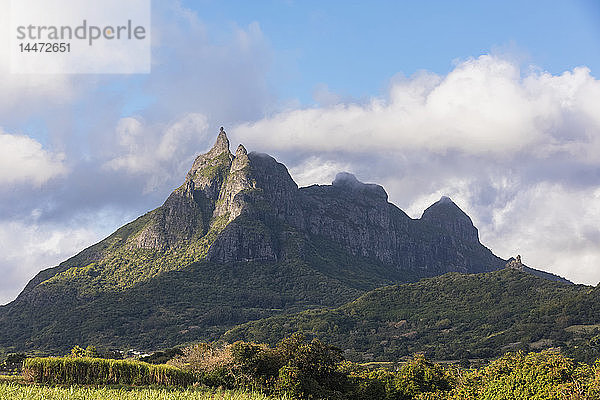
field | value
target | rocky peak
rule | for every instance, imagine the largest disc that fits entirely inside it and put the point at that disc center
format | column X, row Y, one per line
column 515, row 263
column 348, row 182
column 446, row 214
column 209, row 170
column 237, row 181
column 222, row 143
column 240, row 160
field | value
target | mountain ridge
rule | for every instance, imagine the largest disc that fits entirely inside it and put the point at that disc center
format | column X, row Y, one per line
column 450, row 317
column 320, row 245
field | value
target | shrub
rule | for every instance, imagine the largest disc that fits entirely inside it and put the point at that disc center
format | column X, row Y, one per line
column 415, row 379
column 13, row 362
column 211, row 365
column 545, row 375
column 310, row 369
column 85, row 370
column 89, row 351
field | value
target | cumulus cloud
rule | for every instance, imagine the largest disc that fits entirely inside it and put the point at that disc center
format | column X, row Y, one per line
column 552, row 226
column 24, row 160
column 157, row 151
column 25, row 248
column 484, row 106
column 315, row 170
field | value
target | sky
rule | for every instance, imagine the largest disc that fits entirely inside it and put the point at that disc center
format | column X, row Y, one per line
column 495, row 104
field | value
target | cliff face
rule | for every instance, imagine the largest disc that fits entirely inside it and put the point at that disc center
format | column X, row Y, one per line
column 253, row 195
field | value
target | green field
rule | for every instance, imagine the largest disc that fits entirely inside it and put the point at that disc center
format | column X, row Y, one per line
column 17, row 391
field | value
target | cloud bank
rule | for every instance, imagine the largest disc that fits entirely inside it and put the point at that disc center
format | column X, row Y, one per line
column 518, row 150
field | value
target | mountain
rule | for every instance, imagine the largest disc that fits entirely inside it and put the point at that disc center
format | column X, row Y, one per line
column 451, row 317
column 237, row 241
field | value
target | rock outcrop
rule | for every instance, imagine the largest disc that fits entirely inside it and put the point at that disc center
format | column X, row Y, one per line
column 250, row 195
column 447, row 215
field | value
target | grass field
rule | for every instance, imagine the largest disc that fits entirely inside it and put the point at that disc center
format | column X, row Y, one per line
column 12, row 390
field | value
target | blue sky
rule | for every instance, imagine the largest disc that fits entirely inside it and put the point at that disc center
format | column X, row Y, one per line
column 493, row 103
column 355, row 47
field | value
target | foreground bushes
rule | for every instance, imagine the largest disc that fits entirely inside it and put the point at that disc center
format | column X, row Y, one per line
column 100, row 371
column 519, row 376
column 413, row 379
column 304, row 369
column 314, row 370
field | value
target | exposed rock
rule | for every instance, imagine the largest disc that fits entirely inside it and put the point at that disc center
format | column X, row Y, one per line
column 347, row 181
column 186, row 212
column 239, row 206
column 515, row 263
column 237, row 181
column 447, row 215
column 210, row 170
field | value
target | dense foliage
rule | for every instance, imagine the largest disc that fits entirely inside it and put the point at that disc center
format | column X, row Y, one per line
column 520, row 376
column 86, row 370
column 302, row 369
column 456, row 317
column 12, row 363
column 313, row 370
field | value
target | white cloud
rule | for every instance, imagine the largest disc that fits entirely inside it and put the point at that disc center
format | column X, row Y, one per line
column 315, row 170
column 30, row 89
column 26, row 249
column 24, row 160
column 484, row 106
column 552, row 226
column 156, row 149
column 518, row 150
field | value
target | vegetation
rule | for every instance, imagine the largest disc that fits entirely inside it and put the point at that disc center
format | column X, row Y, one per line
column 87, row 370
column 456, row 317
column 14, row 391
column 544, row 375
column 12, row 363
column 197, row 301
column 304, row 369
column 301, row 369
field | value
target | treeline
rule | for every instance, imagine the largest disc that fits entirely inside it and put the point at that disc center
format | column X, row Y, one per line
column 304, row 369
column 451, row 317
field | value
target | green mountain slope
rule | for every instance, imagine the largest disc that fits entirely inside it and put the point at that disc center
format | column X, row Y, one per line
column 454, row 316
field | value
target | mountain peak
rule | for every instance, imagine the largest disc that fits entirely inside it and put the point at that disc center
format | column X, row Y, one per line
column 446, row 214
column 221, row 144
column 347, row 181
column 445, row 200
column 241, row 151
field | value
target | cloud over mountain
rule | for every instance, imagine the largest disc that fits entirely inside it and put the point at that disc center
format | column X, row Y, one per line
column 519, row 148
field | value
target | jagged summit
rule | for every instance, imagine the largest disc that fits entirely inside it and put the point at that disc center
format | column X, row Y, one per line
column 515, row 263
column 222, row 142
column 445, row 200
column 445, row 213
